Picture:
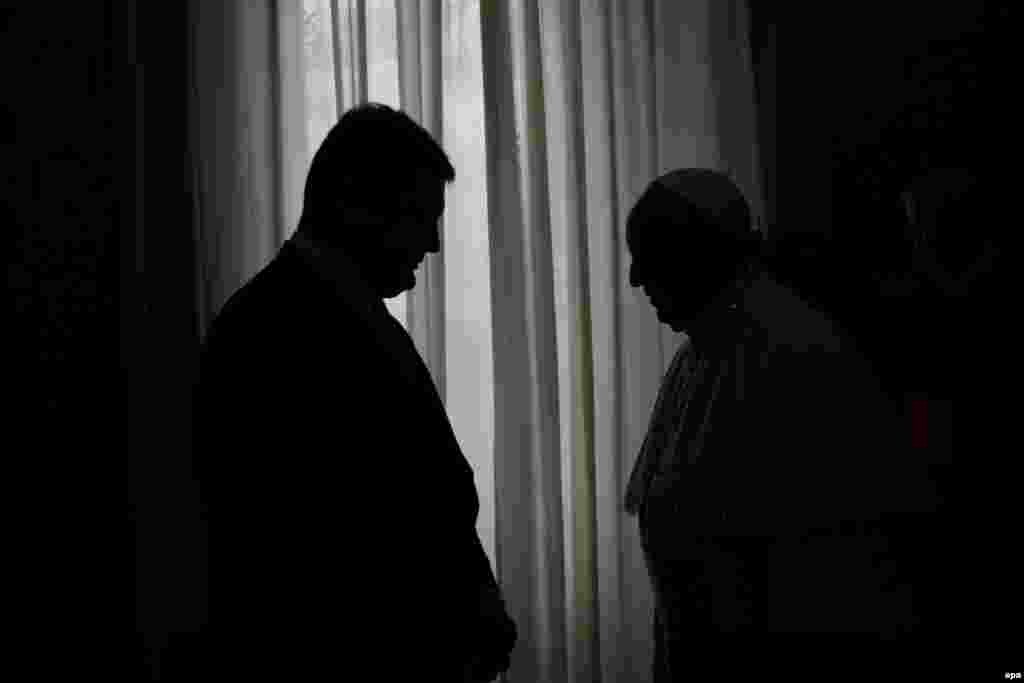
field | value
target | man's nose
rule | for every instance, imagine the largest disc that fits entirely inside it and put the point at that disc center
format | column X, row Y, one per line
column 634, row 279
column 434, row 244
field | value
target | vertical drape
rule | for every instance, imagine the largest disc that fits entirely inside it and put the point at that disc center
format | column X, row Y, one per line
column 468, row 341
column 526, row 449
column 609, row 94
column 561, row 26
column 236, row 133
column 421, row 96
column 641, row 357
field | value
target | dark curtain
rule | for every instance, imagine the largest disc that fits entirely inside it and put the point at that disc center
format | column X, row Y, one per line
column 160, row 349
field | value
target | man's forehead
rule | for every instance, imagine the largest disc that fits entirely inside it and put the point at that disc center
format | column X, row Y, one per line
column 645, row 235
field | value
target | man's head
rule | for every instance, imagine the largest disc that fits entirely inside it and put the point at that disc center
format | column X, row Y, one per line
column 376, row 190
column 688, row 234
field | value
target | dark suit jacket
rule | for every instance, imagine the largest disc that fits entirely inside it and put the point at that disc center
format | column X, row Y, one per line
column 343, row 511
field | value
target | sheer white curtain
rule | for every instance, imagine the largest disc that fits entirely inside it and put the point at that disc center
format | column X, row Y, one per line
column 236, row 141
column 556, row 116
column 587, row 102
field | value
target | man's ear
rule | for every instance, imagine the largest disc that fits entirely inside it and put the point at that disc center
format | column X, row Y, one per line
column 363, row 219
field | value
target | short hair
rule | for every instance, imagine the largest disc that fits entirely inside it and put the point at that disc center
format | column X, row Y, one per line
column 370, row 156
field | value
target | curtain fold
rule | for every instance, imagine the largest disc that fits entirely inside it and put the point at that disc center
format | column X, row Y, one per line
column 526, row 449
column 292, row 116
column 560, row 53
column 235, row 132
column 619, row 93
column 421, row 88
column 348, row 30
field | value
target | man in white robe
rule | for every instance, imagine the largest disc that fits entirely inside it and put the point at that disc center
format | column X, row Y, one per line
column 772, row 469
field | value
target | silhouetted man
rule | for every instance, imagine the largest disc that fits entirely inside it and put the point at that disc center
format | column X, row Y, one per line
column 344, row 539
column 770, row 465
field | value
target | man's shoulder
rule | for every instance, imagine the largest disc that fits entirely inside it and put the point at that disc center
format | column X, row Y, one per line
column 804, row 345
column 787, row 324
column 282, row 300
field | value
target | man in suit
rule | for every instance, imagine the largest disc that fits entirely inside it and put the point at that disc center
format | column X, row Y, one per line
column 344, row 514
column 771, row 474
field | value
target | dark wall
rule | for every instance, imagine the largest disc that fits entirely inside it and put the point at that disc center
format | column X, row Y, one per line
column 66, row 139
column 856, row 97
column 855, row 100
column 96, row 216
column 64, row 129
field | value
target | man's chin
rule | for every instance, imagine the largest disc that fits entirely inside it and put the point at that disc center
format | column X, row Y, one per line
column 679, row 326
column 675, row 322
column 403, row 284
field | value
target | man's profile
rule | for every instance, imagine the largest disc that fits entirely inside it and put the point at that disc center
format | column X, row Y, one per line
column 343, row 510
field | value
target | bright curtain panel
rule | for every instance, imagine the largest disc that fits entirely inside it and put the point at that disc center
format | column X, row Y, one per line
column 420, row 84
column 441, row 86
column 320, row 71
column 587, row 101
column 469, row 352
